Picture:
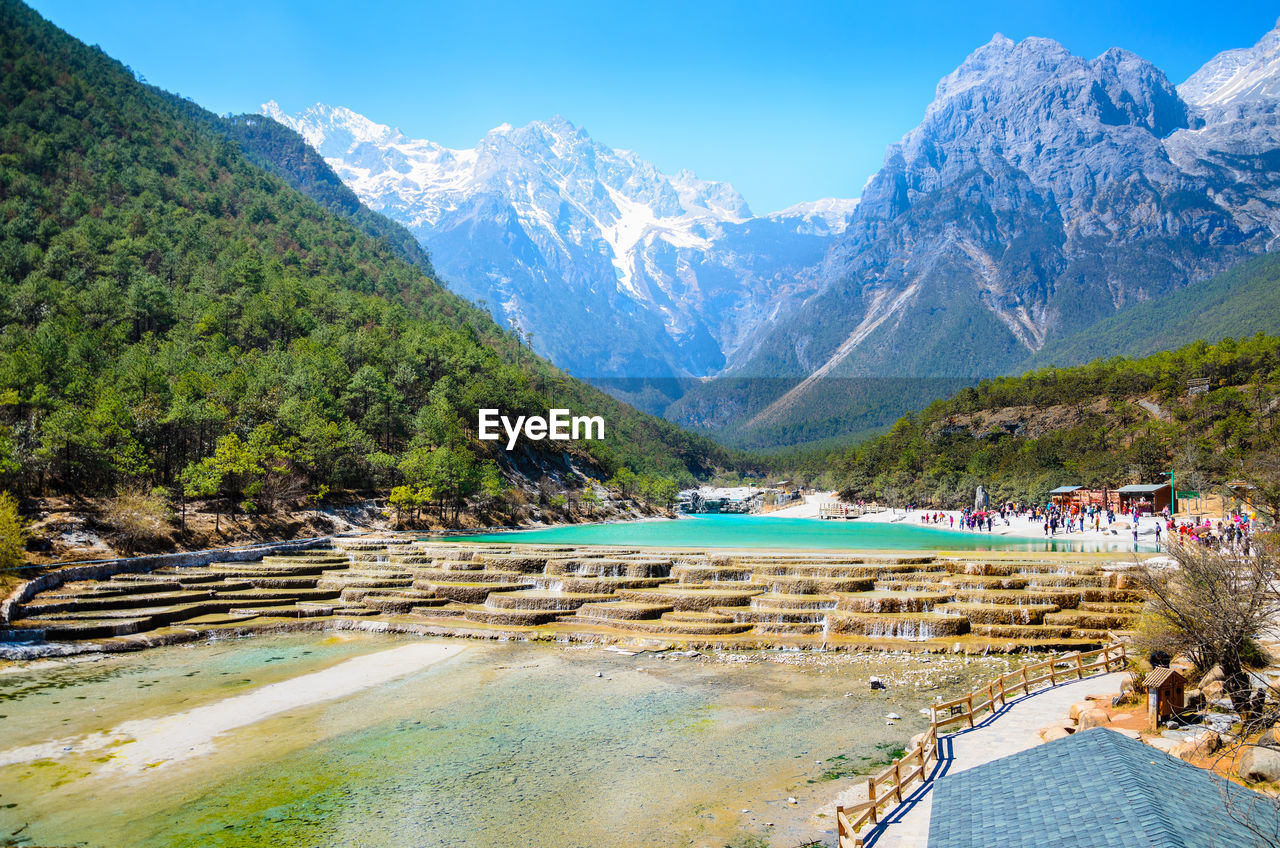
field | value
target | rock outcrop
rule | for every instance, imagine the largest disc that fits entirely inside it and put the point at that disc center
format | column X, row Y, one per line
column 1261, row 765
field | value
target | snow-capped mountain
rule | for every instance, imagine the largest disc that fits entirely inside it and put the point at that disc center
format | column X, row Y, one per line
column 616, row 269
column 1233, row 78
column 1236, row 100
column 1041, row 192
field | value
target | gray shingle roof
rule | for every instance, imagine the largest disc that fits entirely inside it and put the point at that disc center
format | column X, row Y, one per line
column 1064, row 490
column 1157, row 677
column 1094, row 789
column 1142, row 488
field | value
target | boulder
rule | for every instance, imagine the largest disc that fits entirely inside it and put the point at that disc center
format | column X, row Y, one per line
column 1055, row 731
column 1212, row 675
column 1269, row 739
column 1212, row 690
column 1260, row 765
column 917, row 741
column 1193, row 699
column 1162, row 744
column 1201, row 745
column 1079, row 707
column 1093, row 718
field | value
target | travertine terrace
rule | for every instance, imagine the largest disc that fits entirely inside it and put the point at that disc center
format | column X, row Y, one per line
column 976, row 602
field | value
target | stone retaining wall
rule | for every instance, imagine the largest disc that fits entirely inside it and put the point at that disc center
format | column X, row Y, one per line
column 103, row 569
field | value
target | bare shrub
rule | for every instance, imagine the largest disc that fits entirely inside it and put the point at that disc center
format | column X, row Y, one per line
column 1213, row 604
column 138, row 518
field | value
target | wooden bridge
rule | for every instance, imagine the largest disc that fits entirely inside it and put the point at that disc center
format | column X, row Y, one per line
column 837, row 509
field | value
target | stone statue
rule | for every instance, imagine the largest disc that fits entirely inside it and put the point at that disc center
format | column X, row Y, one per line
column 981, row 500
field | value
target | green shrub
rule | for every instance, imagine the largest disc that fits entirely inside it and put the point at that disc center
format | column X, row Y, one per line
column 13, row 536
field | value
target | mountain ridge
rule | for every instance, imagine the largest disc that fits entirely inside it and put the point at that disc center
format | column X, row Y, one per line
column 651, row 275
column 1040, row 193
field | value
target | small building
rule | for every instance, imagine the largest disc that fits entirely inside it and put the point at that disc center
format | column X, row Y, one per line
column 1095, row 789
column 1166, row 694
column 1145, row 498
column 1064, row 496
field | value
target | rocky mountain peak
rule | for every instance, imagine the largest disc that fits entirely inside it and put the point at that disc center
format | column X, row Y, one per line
column 1237, row 78
column 1034, row 109
column 1040, row 192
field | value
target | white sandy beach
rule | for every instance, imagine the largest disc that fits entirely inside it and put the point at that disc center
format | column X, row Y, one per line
column 1017, row 526
column 153, row 742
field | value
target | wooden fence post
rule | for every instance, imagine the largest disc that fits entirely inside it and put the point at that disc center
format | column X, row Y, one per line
column 1079, row 666
column 1026, row 689
column 871, row 796
column 969, row 703
column 1053, row 671
column 897, row 780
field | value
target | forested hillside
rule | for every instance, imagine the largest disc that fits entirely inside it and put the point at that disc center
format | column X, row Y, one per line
column 175, row 315
column 1108, row 423
column 281, row 151
column 1236, row 303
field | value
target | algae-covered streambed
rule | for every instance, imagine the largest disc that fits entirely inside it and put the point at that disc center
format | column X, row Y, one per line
column 493, row 744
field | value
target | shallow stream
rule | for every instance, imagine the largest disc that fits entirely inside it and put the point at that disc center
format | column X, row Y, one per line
column 495, row 745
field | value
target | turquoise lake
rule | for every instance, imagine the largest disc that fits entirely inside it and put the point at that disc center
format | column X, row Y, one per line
column 749, row 531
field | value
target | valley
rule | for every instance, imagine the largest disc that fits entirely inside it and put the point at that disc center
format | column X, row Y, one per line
column 987, row 243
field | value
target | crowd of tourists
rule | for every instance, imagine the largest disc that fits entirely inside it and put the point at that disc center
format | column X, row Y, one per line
column 1235, row 532
column 969, row 518
column 1076, row 518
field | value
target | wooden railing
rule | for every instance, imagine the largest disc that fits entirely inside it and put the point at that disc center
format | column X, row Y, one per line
column 886, row 787
column 838, row 509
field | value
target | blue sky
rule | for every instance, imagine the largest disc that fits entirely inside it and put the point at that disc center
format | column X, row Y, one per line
column 789, row 101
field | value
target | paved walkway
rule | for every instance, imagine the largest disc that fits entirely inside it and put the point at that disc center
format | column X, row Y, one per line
column 1012, row 729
